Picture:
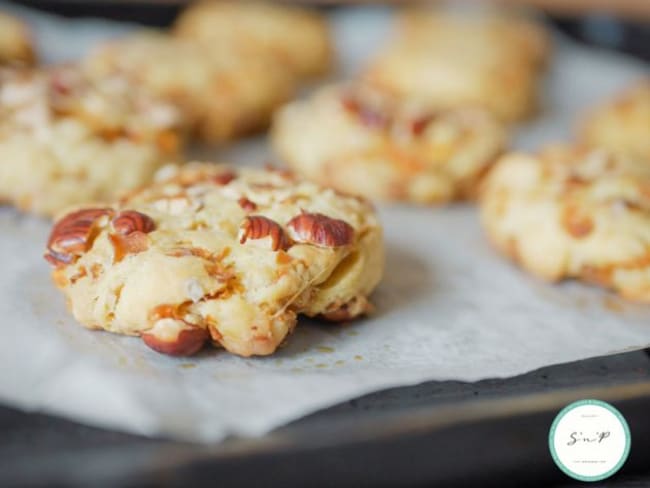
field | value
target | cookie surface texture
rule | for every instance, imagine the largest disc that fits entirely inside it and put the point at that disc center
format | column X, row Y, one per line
column 210, row 253
column 223, row 92
column 622, row 124
column 448, row 60
column 296, row 38
column 66, row 140
column 364, row 141
column 573, row 213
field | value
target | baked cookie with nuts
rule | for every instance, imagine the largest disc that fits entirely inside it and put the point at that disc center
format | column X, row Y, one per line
column 622, row 124
column 16, row 45
column 525, row 39
column 296, row 38
column 212, row 254
column 223, row 92
column 66, row 139
column 362, row 140
column 571, row 212
column 448, row 60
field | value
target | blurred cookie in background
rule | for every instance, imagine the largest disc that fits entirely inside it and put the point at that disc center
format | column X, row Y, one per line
column 449, row 59
column 526, row 39
column 67, row 140
column 622, row 123
column 16, row 43
column 362, row 140
column 297, row 38
column 573, row 212
column 223, row 92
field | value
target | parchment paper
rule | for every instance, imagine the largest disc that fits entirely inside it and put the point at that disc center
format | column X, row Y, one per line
column 449, row 307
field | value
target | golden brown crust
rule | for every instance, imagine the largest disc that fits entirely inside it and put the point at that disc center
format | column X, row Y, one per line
column 16, row 43
column 66, row 139
column 525, row 39
column 365, row 141
column 296, row 38
column 450, row 60
column 238, row 278
column 573, row 213
column 224, row 92
column 621, row 124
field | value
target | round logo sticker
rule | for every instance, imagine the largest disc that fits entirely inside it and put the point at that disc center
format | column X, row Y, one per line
column 589, row 440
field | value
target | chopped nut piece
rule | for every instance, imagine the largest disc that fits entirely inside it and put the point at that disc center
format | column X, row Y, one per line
column 247, row 205
column 258, row 227
column 576, row 223
column 321, row 230
column 72, row 235
column 129, row 221
column 366, row 114
column 175, row 337
column 224, row 178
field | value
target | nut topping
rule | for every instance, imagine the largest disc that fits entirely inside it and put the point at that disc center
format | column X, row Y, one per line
column 73, row 235
column 247, row 205
column 131, row 229
column 319, row 229
column 369, row 116
column 576, row 223
column 224, row 178
column 419, row 125
column 258, row 227
column 175, row 337
column 129, row 221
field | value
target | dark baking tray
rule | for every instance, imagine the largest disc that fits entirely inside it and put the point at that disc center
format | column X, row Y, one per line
column 490, row 433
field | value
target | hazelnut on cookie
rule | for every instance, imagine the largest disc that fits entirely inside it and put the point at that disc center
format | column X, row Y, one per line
column 209, row 253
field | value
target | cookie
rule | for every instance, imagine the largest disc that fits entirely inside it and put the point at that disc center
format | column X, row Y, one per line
column 16, row 44
column 622, row 124
column 296, row 38
column 526, row 40
column 571, row 212
column 224, row 93
column 210, row 253
column 66, row 140
column 460, row 62
column 364, row 141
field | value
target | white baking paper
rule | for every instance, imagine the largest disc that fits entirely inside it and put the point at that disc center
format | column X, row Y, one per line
column 449, row 307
